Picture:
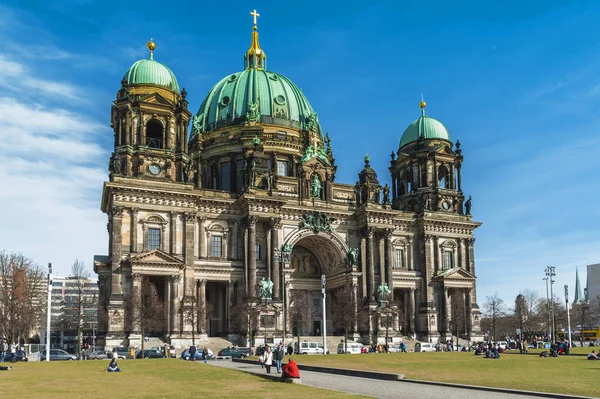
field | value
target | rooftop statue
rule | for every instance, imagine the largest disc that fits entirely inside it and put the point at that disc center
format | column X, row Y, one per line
column 383, row 291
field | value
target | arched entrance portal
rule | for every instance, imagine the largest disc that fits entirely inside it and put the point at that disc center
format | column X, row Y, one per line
column 313, row 255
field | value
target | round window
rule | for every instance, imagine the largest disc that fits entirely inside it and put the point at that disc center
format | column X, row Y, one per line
column 232, row 78
column 273, row 77
column 280, row 99
column 154, row 168
column 225, row 101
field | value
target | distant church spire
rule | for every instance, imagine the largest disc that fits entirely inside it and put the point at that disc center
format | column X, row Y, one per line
column 578, row 296
column 255, row 57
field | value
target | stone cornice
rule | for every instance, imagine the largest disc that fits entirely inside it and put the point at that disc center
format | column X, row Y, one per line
column 439, row 227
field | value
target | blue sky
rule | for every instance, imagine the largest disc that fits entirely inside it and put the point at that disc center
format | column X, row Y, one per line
column 515, row 81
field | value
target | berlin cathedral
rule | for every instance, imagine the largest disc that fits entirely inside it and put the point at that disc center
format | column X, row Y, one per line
column 249, row 196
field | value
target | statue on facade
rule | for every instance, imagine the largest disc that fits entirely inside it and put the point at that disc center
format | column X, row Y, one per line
column 386, row 194
column 116, row 164
column 352, row 257
column 317, row 222
column 468, row 206
column 311, row 121
column 265, row 288
column 329, row 150
column 252, row 113
column 197, row 125
column 315, row 187
column 383, row 292
column 188, row 173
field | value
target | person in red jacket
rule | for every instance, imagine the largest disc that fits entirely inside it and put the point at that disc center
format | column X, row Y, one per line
column 290, row 370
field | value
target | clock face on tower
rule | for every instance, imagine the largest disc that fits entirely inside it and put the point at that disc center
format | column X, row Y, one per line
column 446, row 205
column 154, row 168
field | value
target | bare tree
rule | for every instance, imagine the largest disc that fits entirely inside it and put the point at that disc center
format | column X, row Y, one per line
column 580, row 312
column 343, row 309
column 196, row 313
column 146, row 312
column 76, row 302
column 22, row 296
column 244, row 314
column 521, row 312
column 300, row 310
column 494, row 309
column 388, row 312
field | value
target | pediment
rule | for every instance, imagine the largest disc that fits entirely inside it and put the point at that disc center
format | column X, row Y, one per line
column 456, row 274
column 155, row 256
column 155, row 98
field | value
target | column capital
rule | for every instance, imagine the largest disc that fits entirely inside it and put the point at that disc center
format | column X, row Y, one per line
column 134, row 211
column 251, row 221
column 190, row 217
column 275, row 223
column 470, row 241
column 201, row 282
column 136, row 277
column 175, row 278
column 116, row 211
column 387, row 233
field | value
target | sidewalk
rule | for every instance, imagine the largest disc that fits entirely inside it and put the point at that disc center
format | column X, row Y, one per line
column 388, row 389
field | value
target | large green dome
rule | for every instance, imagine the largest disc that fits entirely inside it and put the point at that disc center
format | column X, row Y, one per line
column 151, row 72
column 425, row 128
column 266, row 96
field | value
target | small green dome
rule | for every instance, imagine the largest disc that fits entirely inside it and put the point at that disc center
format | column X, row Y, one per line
column 257, row 95
column 151, row 72
column 426, row 128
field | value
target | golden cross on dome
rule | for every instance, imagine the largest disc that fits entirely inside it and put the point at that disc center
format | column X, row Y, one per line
column 255, row 14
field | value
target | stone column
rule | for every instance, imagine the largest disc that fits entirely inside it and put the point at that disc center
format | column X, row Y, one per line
column 175, row 304
column 370, row 264
column 470, row 266
column 173, row 233
column 447, row 310
column 116, row 214
column 136, row 292
column 363, row 263
column 202, row 305
column 246, row 263
column 275, row 224
column 468, row 312
column 389, row 260
column 188, row 271
column 233, row 233
column 225, row 251
column 202, row 233
column 251, row 254
column 134, row 220
column 168, row 304
column 356, row 300
column 412, row 310
column 459, row 177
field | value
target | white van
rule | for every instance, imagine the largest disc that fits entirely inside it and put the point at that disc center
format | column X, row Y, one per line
column 424, row 347
column 351, row 348
column 308, row 348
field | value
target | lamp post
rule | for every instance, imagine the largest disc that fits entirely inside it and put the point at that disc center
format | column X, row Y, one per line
column 430, row 306
column 547, row 306
column 283, row 256
column 49, row 312
column 568, row 313
column 551, row 272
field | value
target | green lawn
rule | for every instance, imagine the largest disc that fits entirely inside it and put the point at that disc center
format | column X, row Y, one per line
column 149, row 378
column 566, row 374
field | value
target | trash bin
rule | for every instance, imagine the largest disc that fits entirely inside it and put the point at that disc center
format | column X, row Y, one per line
column 132, row 353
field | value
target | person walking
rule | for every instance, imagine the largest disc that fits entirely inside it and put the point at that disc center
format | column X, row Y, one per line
column 278, row 355
column 267, row 357
column 205, row 354
column 193, row 353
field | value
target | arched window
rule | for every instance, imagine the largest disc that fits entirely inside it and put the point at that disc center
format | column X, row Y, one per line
column 443, row 177
column 154, row 134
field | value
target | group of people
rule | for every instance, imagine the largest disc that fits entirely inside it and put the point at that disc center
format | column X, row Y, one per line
column 268, row 357
column 489, row 351
column 204, row 355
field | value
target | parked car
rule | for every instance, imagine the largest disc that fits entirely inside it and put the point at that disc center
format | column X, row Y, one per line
column 150, row 354
column 309, row 348
column 57, row 354
column 351, row 348
column 122, row 353
column 424, row 347
column 18, row 356
column 186, row 354
column 502, row 344
column 162, row 348
column 97, row 355
column 233, row 352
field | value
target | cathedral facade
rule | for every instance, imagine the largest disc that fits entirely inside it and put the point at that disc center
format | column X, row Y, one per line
column 250, row 196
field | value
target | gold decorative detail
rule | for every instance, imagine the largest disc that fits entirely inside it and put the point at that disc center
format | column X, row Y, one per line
column 255, row 57
column 423, row 104
column 255, row 14
column 151, row 46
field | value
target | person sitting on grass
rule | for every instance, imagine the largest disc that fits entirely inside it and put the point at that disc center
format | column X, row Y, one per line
column 5, row 368
column 113, row 367
column 290, row 370
column 592, row 356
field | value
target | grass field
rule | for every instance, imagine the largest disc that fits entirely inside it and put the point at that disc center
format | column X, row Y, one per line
column 565, row 374
column 144, row 379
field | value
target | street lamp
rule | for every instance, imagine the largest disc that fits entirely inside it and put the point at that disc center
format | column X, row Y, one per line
column 283, row 256
column 430, row 306
column 551, row 272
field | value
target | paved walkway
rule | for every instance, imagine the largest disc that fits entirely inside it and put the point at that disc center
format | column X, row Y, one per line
column 378, row 388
